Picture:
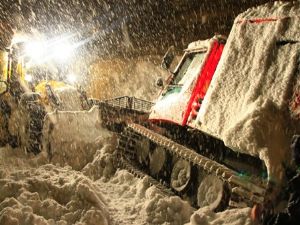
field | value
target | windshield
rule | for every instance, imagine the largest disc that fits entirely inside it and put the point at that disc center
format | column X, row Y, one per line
column 189, row 68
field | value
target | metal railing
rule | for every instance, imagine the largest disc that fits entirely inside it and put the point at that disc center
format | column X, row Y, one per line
column 132, row 103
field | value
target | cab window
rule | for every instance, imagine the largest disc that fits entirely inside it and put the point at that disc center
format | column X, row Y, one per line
column 189, row 68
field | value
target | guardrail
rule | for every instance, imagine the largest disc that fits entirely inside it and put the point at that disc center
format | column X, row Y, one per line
column 132, row 103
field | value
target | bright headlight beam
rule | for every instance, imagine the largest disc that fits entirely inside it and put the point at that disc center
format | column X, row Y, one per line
column 35, row 50
column 72, row 78
column 59, row 49
column 28, row 77
column 62, row 51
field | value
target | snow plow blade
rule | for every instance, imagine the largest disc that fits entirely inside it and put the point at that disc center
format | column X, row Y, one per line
column 72, row 134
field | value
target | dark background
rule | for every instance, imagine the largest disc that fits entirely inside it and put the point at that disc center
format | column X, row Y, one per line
column 127, row 27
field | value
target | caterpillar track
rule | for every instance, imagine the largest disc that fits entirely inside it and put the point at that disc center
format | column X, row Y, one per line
column 241, row 191
column 125, row 164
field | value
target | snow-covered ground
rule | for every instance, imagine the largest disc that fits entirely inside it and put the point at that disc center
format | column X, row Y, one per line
column 36, row 191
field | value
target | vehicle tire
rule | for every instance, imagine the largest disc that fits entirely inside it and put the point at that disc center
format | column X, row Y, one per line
column 214, row 193
column 181, row 175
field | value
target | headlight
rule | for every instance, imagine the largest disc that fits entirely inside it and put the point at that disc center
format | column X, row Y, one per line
column 56, row 49
column 72, row 78
column 35, row 50
column 62, row 51
column 28, row 77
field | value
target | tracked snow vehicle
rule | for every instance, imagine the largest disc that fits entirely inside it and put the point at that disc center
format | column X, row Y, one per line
column 220, row 131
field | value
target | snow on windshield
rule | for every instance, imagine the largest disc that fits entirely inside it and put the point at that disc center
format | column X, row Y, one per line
column 190, row 68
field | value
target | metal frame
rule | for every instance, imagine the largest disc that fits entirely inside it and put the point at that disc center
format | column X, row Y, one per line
column 129, row 102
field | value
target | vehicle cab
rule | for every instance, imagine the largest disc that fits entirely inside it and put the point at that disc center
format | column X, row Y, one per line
column 183, row 93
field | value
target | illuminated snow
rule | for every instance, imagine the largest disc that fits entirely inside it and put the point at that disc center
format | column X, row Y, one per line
column 247, row 102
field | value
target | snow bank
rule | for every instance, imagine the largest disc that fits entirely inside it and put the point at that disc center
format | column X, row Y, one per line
column 72, row 138
column 102, row 165
column 33, row 193
column 134, row 77
column 51, row 195
column 16, row 159
column 205, row 216
column 138, row 203
column 247, row 102
column 167, row 210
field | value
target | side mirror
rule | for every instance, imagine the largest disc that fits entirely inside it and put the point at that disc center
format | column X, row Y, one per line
column 168, row 58
column 159, row 82
column 3, row 87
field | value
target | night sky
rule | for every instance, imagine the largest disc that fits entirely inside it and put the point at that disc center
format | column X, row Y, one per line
column 122, row 26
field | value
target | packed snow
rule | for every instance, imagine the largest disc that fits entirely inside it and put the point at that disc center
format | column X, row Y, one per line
column 204, row 216
column 32, row 191
column 51, row 195
column 78, row 131
column 247, row 104
column 35, row 192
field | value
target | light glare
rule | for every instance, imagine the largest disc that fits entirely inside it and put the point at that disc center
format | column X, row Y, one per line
column 28, row 77
column 35, row 50
column 72, row 78
column 63, row 51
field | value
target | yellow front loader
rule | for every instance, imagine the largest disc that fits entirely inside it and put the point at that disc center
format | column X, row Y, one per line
column 39, row 110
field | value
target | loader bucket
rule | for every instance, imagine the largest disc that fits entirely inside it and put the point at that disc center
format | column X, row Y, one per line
column 70, row 137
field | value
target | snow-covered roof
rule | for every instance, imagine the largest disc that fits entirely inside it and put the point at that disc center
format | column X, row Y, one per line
column 204, row 44
column 277, row 9
column 200, row 44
